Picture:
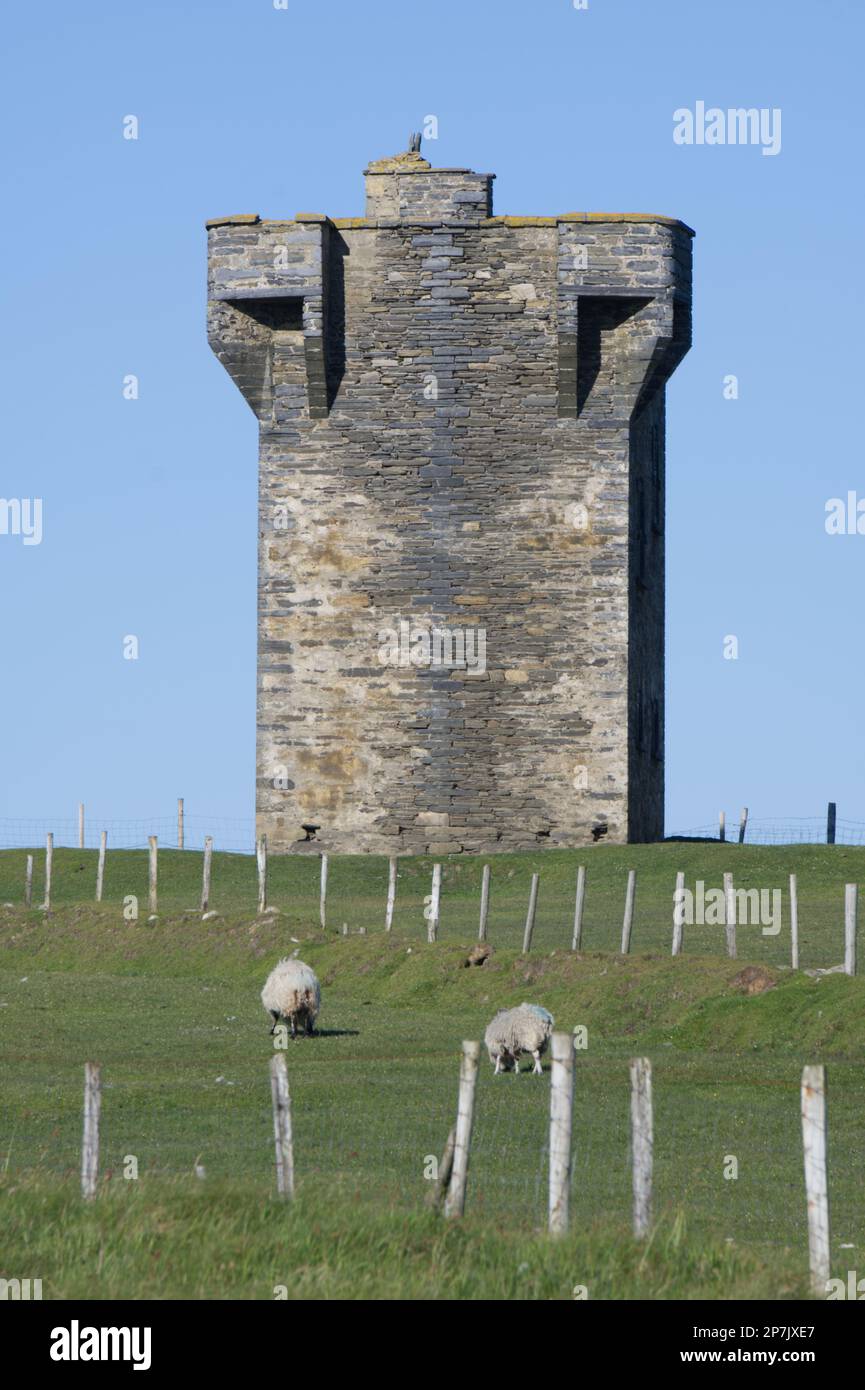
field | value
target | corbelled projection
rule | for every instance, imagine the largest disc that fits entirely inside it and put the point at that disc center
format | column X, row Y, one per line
column 461, row 516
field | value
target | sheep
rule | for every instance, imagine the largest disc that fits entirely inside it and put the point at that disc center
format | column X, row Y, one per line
column 515, row 1031
column 292, row 993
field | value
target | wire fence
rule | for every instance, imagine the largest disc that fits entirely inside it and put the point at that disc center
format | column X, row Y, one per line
column 233, row 835
column 802, row 830
column 237, row 834
column 727, row 1141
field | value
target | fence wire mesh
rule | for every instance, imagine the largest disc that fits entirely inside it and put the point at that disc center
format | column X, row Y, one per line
column 236, row 834
column 727, row 1140
column 801, row 830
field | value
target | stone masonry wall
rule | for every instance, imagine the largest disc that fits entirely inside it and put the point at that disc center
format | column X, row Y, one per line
column 462, row 425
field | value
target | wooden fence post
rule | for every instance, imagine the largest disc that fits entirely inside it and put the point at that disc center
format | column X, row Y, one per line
column 530, row 915
column 282, row 1126
column 642, row 1143
column 100, row 865
column 445, row 1168
column 49, row 865
column 455, row 1201
column 794, row 923
column 561, row 1121
column 261, row 861
column 391, row 894
column 851, row 903
column 180, row 837
column 730, row 915
column 153, row 872
column 816, row 1185
column 743, row 824
column 577, row 941
column 830, row 824
column 90, row 1141
column 628, row 921
column 28, row 882
column 81, row 825
column 722, row 826
column 678, row 914
column 485, row 903
column 205, row 872
column 322, row 896
column 432, row 928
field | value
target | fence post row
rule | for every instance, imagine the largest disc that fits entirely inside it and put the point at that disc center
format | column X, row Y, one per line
column 180, row 837
column 81, row 825
column 816, row 1186
column 561, row 1122
column 743, row 823
column 452, row 1176
column 455, row 1201
column 830, row 824
column 28, row 882
column 90, row 1141
column 642, row 1143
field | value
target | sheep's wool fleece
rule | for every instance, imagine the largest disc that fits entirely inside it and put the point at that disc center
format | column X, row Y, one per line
column 292, row 988
column 524, row 1029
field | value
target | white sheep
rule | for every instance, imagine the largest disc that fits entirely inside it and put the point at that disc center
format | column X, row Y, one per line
column 515, row 1031
column 292, row 993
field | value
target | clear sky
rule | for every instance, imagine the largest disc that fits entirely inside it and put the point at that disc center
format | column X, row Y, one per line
column 149, row 505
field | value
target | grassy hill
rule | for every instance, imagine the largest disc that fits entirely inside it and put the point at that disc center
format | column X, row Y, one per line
column 171, row 1011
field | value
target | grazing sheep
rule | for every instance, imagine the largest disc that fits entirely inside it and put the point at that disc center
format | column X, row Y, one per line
column 292, row 993
column 515, row 1031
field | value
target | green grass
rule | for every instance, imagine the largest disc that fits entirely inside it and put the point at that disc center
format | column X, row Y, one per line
column 220, row 1241
column 171, row 1011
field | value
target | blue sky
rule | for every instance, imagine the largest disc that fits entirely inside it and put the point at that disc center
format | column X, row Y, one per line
column 149, row 505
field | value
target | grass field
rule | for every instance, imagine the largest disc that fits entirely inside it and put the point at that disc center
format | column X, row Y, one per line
column 171, row 1011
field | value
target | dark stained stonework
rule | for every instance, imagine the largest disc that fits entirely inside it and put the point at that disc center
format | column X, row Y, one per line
column 462, row 425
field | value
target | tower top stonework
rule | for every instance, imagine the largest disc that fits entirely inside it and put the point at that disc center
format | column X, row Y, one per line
column 461, row 512
column 406, row 186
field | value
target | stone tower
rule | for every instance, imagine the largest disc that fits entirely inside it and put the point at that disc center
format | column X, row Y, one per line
column 461, row 513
